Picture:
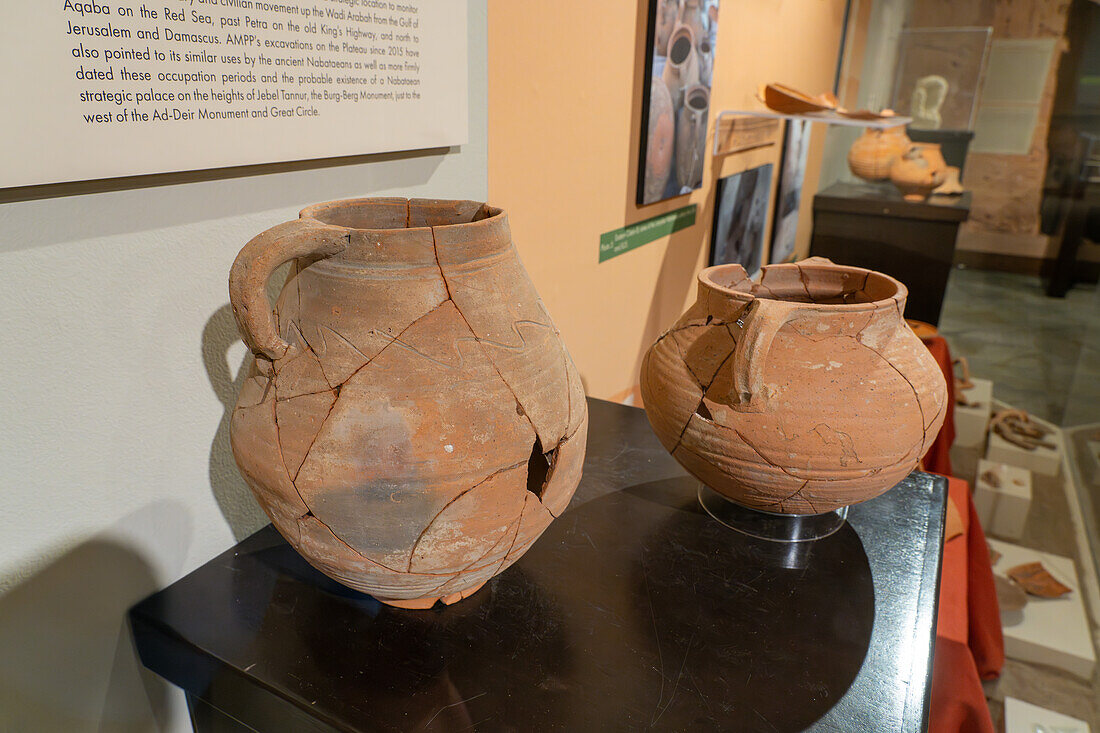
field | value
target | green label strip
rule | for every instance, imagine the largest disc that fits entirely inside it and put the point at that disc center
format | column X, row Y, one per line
column 614, row 243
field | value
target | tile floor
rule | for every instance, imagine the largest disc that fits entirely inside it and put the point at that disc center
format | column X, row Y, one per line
column 1043, row 354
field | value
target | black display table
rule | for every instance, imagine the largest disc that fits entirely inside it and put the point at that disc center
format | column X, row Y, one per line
column 872, row 226
column 635, row 610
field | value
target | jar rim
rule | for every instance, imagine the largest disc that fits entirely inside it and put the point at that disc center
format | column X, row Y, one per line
column 775, row 282
column 381, row 215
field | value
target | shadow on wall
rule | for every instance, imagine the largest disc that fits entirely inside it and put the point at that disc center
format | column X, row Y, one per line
column 675, row 280
column 67, row 660
column 241, row 512
column 49, row 221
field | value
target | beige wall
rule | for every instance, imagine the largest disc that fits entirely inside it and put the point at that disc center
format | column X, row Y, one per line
column 565, row 91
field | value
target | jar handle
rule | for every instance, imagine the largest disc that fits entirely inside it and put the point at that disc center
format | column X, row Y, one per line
column 760, row 321
column 255, row 264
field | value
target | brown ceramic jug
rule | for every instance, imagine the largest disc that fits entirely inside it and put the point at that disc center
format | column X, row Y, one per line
column 800, row 394
column 919, row 171
column 411, row 421
column 874, row 152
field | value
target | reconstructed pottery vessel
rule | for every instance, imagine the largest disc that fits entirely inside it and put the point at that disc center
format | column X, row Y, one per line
column 691, row 136
column 800, row 394
column 411, row 421
column 874, row 152
column 919, row 171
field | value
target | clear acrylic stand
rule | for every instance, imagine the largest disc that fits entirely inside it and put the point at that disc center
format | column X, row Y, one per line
column 767, row 525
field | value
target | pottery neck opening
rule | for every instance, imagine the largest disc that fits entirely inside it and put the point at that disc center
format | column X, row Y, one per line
column 373, row 214
column 679, row 46
column 822, row 286
column 697, row 99
column 418, row 233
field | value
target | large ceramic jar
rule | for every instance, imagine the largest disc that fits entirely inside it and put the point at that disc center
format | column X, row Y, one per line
column 919, row 171
column 800, row 394
column 874, row 152
column 691, row 136
column 411, row 421
column 661, row 142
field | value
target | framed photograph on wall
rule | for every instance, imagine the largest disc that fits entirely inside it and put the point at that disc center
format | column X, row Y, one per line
column 679, row 66
column 788, row 199
column 740, row 217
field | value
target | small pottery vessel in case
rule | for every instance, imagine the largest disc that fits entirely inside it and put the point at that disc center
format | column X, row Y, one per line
column 919, row 171
column 411, row 421
column 800, row 394
column 874, row 152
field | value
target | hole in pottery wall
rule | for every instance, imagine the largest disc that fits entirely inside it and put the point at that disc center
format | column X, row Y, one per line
column 540, row 468
column 704, row 412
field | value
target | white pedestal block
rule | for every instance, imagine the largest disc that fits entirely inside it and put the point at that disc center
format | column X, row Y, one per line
column 1023, row 717
column 1002, row 498
column 1047, row 461
column 971, row 423
column 1052, row 631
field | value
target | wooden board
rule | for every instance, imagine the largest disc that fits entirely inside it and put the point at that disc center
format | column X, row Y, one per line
column 745, row 133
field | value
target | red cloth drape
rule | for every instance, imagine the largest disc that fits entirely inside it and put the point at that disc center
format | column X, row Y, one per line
column 958, row 702
column 937, row 458
column 969, row 644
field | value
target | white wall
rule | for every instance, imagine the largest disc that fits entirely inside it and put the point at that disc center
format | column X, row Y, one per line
column 118, row 358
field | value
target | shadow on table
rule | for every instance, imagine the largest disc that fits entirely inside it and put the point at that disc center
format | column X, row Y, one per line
column 634, row 610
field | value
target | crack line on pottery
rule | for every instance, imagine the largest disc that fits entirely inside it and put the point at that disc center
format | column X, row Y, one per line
column 338, row 538
column 317, row 356
column 766, row 459
column 793, row 494
column 916, row 395
column 397, row 340
column 802, row 279
column 461, row 494
column 512, row 545
column 339, row 388
column 336, row 398
column 327, row 390
column 279, row 448
column 488, row 357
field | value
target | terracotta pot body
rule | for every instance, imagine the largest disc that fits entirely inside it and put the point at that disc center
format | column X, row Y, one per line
column 682, row 66
column 691, row 136
column 919, row 171
column 801, row 394
column 659, row 147
column 411, row 421
column 874, row 152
